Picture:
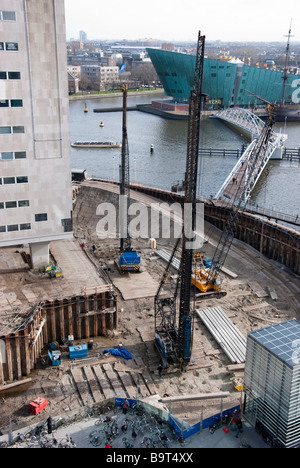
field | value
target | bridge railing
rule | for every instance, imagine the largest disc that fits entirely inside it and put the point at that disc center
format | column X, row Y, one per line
column 243, row 118
column 271, row 213
column 245, row 175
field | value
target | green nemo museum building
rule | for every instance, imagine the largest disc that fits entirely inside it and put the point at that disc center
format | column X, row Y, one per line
column 227, row 84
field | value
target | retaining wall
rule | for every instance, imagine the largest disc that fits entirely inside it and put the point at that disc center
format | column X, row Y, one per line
column 272, row 240
column 81, row 316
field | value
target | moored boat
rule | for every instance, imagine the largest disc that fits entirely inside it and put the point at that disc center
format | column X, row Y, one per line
column 96, row 144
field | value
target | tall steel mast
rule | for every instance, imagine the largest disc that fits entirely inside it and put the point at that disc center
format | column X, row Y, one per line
column 285, row 76
column 185, row 332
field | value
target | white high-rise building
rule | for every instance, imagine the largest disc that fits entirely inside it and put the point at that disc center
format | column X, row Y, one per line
column 82, row 36
column 35, row 160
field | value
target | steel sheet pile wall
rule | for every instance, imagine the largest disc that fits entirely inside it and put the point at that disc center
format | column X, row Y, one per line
column 83, row 317
column 272, row 381
column 273, row 240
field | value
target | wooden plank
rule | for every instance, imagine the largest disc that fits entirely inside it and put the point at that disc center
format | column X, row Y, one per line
column 139, row 383
column 51, row 389
column 257, row 289
column 127, row 382
column 199, row 397
column 81, row 384
column 15, row 384
column 273, row 293
column 236, row 367
column 93, row 384
column 121, row 368
column 66, row 385
column 112, row 376
column 147, row 377
column 104, row 383
column 229, row 272
column 255, row 307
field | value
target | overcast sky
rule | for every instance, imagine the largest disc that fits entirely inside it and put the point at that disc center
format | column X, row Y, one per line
column 180, row 20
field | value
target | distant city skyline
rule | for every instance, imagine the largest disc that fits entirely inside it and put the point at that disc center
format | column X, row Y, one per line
column 174, row 20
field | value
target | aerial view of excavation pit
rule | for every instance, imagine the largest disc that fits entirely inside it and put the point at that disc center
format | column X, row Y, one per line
column 100, row 309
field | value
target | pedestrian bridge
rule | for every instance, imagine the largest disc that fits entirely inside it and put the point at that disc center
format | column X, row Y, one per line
column 244, row 176
column 241, row 119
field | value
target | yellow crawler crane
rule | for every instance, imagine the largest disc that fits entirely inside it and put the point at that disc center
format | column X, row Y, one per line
column 203, row 278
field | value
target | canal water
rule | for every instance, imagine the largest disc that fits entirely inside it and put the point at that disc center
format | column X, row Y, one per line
column 278, row 187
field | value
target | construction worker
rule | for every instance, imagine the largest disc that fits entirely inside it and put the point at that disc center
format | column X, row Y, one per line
column 125, row 406
column 239, row 426
column 235, row 416
column 160, row 368
column 236, row 419
column 49, row 425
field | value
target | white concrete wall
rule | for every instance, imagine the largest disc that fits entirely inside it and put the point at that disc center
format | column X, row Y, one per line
column 39, row 30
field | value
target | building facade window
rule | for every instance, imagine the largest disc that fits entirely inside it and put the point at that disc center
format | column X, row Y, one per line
column 23, row 203
column 18, row 129
column 14, row 75
column 11, row 103
column 22, row 180
column 16, row 103
column 7, row 16
column 11, row 46
column 14, row 180
column 10, row 75
column 41, row 217
column 25, row 227
column 14, row 204
column 12, row 227
column 7, row 155
column 10, row 155
column 9, row 180
column 11, row 204
column 5, row 130
column 8, row 130
column 20, row 155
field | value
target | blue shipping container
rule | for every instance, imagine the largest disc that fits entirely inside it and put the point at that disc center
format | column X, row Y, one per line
column 77, row 352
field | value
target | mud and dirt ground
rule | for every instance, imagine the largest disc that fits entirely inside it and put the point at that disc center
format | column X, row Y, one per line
column 247, row 307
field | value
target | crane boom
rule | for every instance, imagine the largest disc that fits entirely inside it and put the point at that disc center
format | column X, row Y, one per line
column 206, row 279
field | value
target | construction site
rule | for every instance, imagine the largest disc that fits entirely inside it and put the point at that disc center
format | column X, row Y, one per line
column 135, row 303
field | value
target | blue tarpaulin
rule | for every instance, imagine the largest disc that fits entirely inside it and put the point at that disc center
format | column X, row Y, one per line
column 124, row 353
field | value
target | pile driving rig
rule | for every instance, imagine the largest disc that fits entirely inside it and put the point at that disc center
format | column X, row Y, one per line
column 129, row 259
column 174, row 340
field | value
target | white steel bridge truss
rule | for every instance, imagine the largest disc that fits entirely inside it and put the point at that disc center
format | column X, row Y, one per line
column 243, row 172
